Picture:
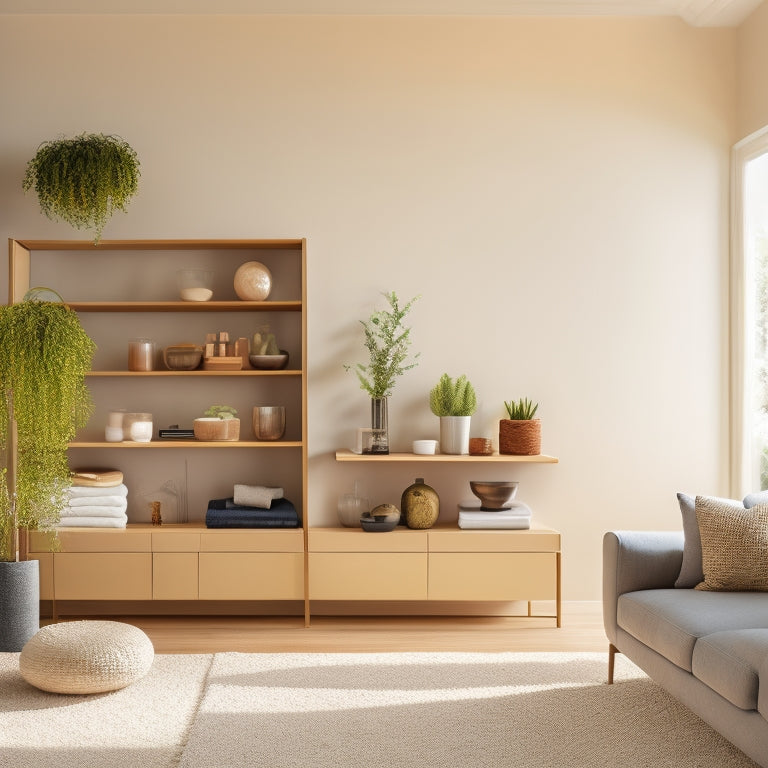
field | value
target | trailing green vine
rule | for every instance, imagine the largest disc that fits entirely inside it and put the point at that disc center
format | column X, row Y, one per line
column 44, row 356
column 84, row 179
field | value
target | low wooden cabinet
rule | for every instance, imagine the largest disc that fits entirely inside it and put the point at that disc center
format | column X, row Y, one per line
column 441, row 563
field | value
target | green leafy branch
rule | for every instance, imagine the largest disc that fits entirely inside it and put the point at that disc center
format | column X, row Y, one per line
column 453, row 398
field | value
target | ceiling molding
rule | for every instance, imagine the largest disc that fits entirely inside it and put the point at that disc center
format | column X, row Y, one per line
column 698, row 13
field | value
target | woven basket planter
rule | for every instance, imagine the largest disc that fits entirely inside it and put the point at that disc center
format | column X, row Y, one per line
column 520, row 438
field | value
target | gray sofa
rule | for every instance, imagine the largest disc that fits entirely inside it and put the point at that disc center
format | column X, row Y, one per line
column 709, row 649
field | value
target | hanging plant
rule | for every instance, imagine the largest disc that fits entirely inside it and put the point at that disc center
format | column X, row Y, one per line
column 83, row 180
column 44, row 356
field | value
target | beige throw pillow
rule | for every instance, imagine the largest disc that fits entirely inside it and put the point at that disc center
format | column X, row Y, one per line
column 734, row 546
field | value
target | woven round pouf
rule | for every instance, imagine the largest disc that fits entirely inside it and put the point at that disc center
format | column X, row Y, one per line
column 86, row 657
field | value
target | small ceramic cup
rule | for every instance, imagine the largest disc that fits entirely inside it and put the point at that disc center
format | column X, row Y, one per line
column 424, row 447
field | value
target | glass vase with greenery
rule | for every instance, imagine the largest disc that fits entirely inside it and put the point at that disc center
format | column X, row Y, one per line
column 44, row 356
column 387, row 340
column 83, row 180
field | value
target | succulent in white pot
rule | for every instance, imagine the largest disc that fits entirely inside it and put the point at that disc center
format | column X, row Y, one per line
column 454, row 401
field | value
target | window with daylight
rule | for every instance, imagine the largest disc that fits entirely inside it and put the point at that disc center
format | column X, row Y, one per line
column 749, row 315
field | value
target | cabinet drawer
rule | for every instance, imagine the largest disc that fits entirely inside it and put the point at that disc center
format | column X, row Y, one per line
column 457, row 540
column 493, row 576
column 106, row 540
column 175, row 541
column 245, row 540
column 367, row 576
column 93, row 576
column 251, row 576
column 174, row 576
column 357, row 540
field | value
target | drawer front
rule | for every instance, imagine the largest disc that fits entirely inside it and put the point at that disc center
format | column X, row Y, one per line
column 105, row 540
column 175, row 541
column 358, row 540
column 174, row 576
column 249, row 540
column 493, row 576
column 251, row 576
column 93, row 576
column 458, row 540
column 367, row 576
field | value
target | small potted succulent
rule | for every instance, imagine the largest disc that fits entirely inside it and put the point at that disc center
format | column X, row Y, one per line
column 520, row 434
column 454, row 401
column 219, row 424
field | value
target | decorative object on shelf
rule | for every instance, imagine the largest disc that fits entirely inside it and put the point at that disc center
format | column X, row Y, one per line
column 220, row 424
column 83, row 180
column 141, row 355
column 380, row 519
column 520, row 434
column 269, row 362
column 493, row 494
column 44, row 358
column 351, row 507
column 195, row 284
column 113, row 432
column 265, row 354
column 221, row 354
column 424, row 447
column 454, row 401
column 253, row 281
column 480, row 446
column 155, row 509
column 137, row 427
column 268, row 422
column 183, row 357
column 420, row 505
column 387, row 341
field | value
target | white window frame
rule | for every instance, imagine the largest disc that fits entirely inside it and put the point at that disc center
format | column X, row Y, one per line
column 747, row 149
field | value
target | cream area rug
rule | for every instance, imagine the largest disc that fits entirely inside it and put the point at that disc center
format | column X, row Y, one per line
column 411, row 710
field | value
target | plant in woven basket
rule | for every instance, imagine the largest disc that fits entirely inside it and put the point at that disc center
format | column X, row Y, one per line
column 453, row 397
column 83, row 180
column 520, row 434
column 44, row 357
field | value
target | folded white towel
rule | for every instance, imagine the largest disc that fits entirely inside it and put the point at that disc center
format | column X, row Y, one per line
column 519, row 524
column 256, row 495
column 81, row 491
column 94, row 511
column 94, row 522
column 99, row 501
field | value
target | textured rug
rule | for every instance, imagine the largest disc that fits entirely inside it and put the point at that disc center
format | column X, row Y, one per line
column 411, row 710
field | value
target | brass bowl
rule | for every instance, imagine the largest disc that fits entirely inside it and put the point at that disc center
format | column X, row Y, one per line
column 493, row 494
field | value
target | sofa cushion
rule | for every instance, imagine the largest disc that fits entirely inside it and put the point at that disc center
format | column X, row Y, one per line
column 729, row 663
column 734, row 546
column 670, row 621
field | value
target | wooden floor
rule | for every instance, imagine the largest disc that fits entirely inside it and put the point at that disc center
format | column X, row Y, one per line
column 582, row 630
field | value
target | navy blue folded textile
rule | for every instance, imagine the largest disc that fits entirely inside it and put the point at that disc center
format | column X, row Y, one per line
column 224, row 513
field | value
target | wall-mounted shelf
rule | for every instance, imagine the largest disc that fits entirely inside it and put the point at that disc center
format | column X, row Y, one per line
column 348, row 455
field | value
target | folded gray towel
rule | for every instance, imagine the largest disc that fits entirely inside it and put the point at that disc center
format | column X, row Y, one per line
column 256, row 495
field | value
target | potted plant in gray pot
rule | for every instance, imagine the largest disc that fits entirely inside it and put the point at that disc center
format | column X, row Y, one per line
column 454, row 401
column 44, row 357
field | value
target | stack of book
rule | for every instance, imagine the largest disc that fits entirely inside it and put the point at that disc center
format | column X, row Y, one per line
column 513, row 515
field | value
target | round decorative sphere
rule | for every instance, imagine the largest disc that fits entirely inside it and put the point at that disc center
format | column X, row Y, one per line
column 253, row 281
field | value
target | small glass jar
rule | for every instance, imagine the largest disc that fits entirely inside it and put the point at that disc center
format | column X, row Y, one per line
column 137, row 427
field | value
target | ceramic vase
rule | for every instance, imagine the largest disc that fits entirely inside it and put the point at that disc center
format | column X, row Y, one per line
column 454, row 434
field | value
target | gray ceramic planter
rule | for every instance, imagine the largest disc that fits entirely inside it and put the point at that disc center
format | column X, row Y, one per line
column 19, row 604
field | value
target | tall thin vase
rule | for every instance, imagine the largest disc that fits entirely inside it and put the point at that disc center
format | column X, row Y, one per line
column 379, row 443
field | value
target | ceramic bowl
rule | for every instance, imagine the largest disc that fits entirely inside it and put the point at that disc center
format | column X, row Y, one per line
column 380, row 519
column 184, row 357
column 493, row 494
column 269, row 362
column 424, row 447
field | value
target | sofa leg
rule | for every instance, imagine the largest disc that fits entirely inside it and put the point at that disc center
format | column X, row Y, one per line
column 612, row 651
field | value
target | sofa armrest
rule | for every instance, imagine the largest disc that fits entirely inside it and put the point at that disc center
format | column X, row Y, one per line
column 634, row 560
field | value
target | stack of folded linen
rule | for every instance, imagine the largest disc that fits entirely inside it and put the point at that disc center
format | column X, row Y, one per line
column 513, row 515
column 96, row 507
column 252, row 506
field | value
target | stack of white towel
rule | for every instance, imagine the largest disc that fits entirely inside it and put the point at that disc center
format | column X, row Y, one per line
column 96, row 507
column 513, row 516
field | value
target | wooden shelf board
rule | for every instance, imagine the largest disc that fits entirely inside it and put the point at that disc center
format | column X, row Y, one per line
column 187, row 444
column 348, row 455
column 186, row 306
column 160, row 245
column 197, row 372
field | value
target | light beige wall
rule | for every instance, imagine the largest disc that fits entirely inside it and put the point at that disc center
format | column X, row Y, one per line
column 752, row 67
column 556, row 191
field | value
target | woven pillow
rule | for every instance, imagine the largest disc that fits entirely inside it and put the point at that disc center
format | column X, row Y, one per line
column 734, row 546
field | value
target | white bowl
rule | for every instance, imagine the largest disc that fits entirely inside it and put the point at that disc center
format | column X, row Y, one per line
column 424, row 447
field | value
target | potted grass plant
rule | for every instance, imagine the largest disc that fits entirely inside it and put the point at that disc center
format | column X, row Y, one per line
column 520, row 434
column 83, row 180
column 44, row 356
column 387, row 340
column 454, row 401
